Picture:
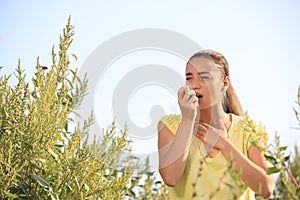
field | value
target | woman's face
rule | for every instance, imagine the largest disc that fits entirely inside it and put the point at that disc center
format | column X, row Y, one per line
column 203, row 76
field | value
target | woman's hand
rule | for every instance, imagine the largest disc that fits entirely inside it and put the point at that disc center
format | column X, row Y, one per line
column 212, row 137
column 188, row 103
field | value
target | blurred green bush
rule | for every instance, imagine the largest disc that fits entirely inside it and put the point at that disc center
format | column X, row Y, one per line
column 42, row 158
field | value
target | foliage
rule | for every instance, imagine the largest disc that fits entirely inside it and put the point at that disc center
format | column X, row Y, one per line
column 42, row 158
column 297, row 111
column 287, row 185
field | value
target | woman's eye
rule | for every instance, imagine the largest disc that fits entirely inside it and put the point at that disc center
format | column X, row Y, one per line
column 205, row 77
column 188, row 78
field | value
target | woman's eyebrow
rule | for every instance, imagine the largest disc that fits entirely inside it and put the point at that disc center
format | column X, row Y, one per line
column 200, row 73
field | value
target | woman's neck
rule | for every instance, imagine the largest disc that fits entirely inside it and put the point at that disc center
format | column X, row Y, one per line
column 212, row 115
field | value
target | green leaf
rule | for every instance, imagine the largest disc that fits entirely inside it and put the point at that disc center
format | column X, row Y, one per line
column 158, row 182
column 282, row 148
column 286, row 158
column 59, row 145
column 229, row 185
column 74, row 73
column 77, row 183
column 271, row 159
column 299, row 95
column 53, row 196
column 40, row 180
column 74, row 57
column 70, row 99
column 53, row 154
column 13, row 196
column 33, row 94
column 27, row 144
column 70, row 82
column 297, row 114
column 131, row 192
column 272, row 170
column 66, row 127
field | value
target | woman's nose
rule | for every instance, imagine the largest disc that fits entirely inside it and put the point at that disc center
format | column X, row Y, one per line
column 195, row 84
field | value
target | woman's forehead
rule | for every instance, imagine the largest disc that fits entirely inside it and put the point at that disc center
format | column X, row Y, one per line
column 201, row 64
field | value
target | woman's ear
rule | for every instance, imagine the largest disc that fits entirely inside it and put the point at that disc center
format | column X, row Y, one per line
column 226, row 83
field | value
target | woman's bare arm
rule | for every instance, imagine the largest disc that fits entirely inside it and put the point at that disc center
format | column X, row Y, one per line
column 253, row 168
column 173, row 149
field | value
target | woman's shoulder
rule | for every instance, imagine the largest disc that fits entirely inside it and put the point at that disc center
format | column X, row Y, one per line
column 171, row 117
column 250, row 129
column 171, row 121
column 247, row 123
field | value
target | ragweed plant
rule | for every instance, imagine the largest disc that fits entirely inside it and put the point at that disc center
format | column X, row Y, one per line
column 42, row 158
column 287, row 185
column 277, row 157
column 294, row 177
column 297, row 110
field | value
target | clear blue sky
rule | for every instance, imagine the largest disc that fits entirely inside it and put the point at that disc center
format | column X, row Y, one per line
column 260, row 39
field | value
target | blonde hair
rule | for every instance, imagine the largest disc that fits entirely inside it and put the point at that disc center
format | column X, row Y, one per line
column 231, row 103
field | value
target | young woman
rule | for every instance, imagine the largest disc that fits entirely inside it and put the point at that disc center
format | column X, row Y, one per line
column 212, row 151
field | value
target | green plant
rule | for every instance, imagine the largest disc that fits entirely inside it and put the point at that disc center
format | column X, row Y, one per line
column 287, row 186
column 276, row 155
column 297, row 110
column 41, row 157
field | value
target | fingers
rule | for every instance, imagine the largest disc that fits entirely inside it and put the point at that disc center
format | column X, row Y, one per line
column 204, row 130
column 201, row 132
column 181, row 91
column 186, row 94
column 204, row 125
column 211, row 136
column 188, row 102
column 190, row 96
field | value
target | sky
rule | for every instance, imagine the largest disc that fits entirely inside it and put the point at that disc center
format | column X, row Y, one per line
column 260, row 40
